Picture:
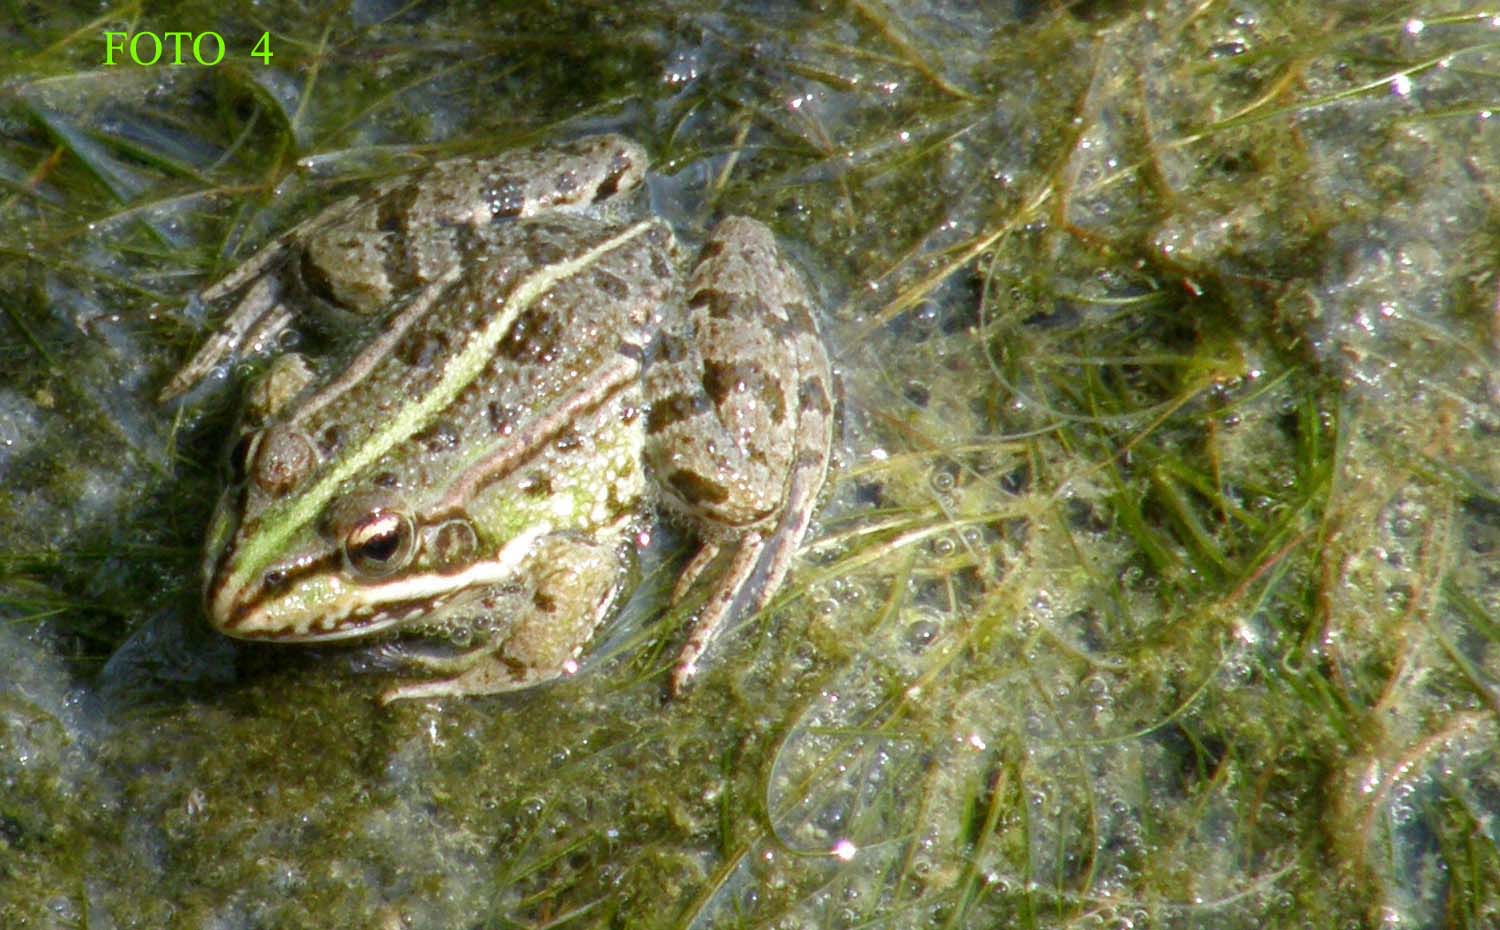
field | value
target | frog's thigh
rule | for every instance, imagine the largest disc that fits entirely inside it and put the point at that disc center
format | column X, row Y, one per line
column 724, row 386
column 572, row 583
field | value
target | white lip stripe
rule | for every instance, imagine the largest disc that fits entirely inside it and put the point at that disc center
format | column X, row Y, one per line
column 424, row 587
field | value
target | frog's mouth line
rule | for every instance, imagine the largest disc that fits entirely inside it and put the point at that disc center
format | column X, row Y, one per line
column 356, row 625
column 314, row 612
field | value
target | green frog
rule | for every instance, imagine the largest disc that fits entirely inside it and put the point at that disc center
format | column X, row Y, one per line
column 538, row 373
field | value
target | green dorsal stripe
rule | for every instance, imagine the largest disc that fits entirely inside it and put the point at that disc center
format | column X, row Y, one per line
column 287, row 517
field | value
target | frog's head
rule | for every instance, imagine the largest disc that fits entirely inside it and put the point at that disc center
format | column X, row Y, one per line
column 302, row 554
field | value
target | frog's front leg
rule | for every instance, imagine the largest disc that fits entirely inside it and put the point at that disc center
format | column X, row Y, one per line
column 565, row 587
column 740, row 425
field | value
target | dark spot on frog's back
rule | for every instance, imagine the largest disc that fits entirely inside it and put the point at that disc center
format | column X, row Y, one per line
column 441, row 436
column 812, row 395
column 771, row 394
column 610, row 284
column 329, row 439
column 505, row 196
column 696, row 489
column 671, row 348
column 618, row 167
column 536, row 485
column 422, row 348
column 631, row 351
column 618, row 507
column 671, row 410
column 721, row 380
column 396, row 207
column 533, row 338
column 720, row 306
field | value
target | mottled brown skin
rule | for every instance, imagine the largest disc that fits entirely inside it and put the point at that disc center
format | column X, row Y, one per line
column 533, row 377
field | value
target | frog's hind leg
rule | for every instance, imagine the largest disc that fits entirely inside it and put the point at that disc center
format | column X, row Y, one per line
column 256, row 319
column 740, row 423
column 260, row 314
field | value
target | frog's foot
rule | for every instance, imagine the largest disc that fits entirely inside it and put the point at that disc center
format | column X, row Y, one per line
column 755, row 571
column 258, row 318
column 708, row 550
column 573, row 582
column 719, row 606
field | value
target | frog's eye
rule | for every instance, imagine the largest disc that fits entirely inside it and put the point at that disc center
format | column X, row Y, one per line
column 281, row 459
column 379, row 544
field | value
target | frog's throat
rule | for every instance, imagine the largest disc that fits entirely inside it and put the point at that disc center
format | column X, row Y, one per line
column 284, row 520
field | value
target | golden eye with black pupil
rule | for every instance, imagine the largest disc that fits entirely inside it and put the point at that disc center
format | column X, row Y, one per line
column 379, row 544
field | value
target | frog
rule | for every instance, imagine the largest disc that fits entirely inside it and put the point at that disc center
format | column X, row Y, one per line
column 536, row 373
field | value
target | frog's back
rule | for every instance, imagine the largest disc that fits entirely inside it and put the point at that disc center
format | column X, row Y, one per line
column 478, row 365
